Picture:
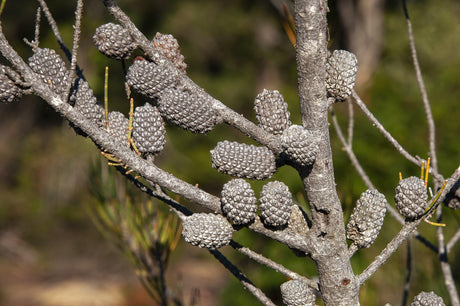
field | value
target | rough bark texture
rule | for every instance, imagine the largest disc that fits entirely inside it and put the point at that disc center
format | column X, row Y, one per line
column 338, row 284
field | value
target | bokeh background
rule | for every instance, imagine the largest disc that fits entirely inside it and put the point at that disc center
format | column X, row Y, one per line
column 52, row 254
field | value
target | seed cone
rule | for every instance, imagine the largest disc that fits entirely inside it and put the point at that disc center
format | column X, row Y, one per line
column 114, row 41
column 189, row 111
column 299, row 145
column 242, row 160
column 149, row 79
column 148, row 129
column 275, row 204
column 411, row 197
column 297, row 293
column 51, row 69
column 207, row 230
column 428, row 299
column 118, row 127
column 341, row 71
column 239, row 202
column 84, row 100
column 169, row 47
column 272, row 111
column 9, row 91
column 366, row 219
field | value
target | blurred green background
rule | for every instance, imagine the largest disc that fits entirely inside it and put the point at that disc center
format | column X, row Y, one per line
column 233, row 49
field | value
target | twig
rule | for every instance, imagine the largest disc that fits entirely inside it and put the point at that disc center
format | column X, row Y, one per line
column 58, row 35
column 405, row 231
column 455, row 238
column 351, row 154
column 421, row 85
column 271, row 264
column 406, row 286
column 75, row 45
column 242, row 278
column 445, row 265
column 383, row 131
column 351, row 122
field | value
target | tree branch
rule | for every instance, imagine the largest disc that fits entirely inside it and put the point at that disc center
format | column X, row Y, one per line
column 421, row 85
column 405, row 231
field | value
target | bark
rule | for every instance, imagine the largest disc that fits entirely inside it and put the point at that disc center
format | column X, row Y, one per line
column 338, row 284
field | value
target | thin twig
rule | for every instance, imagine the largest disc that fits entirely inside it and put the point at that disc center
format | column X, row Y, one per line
column 351, row 154
column 445, row 265
column 75, row 45
column 271, row 264
column 405, row 231
column 37, row 29
column 242, row 278
column 351, row 122
column 58, row 35
column 406, row 286
column 455, row 238
column 421, row 85
column 383, row 131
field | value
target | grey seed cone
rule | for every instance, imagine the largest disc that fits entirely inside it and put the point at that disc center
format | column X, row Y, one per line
column 341, row 71
column 299, row 145
column 189, row 111
column 243, row 161
column 207, row 230
column 84, row 100
column 114, row 41
column 169, row 47
column 239, row 202
column 118, row 128
column 9, row 91
column 51, row 69
column 148, row 129
column 275, row 204
column 272, row 111
column 149, row 79
column 367, row 218
column 427, row 299
column 411, row 197
column 297, row 293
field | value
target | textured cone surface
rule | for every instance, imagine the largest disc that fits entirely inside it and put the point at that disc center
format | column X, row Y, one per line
column 9, row 91
column 207, row 230
column 51, row 69
column 299, row 145
column 84, row 100
column 239, row 202
column 114, row 41
column 367, row 218
column 242, row 160
column 118, row 128
column 341, row 71
column 149, row 79
column 169, row 47
column 272, row 111
column 189, row 111
column 275, row 204
column 297, row 293
column 148, row 129
column 411, row 197
column 427, row 299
